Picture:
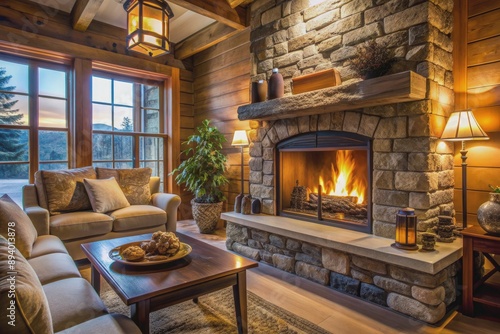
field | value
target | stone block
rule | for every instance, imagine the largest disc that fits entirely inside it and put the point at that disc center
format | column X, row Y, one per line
column 351, row 121
column 394, row 127
column 292, row 127
column 313, row 123
column 311, row 272
column 268, row 154
column 308, row 259
column 440, row 18
column 441, row 197
column 271, row 15
column 384, row 229
column 280, row 49
column 382, row 145
column 368, row 125
column 330, row 44
column 254, row 244
column 390, row 161
column 322, row 7
column 450, row 288
column 446, row 179
column 361, row 276
column 385, row 213
column 423, row 162
column 421, row 144
column 370, row 31
column 369, row 264
column 311, row 61
column 345, row 284
column 284, row 263
column 373, row 294
column 384, row 111
column 335, row 261
column 268, row 206
column 303, row 123
column 384, row 10
column 383, row 179
column 406, row 18
column 255, row 164
column 277, row 240
column 420, row 200
column 341, row 55
column 268, row 180
column 339, row 27
column 268, row 167
column 255, row 149
column 336, row 120
column 390, row 197
column 266, row 256
column 392, row 285
column 288, row 59
column 261, row 236
column 356, row 6
column 229, row 243
column 265, row 66
column 237, row 232
column 299, row 5
column 291, row 20
column 273, row 249
column 281, row 129
column 323, row 19
column 311, row 250
column 414, row 181
column 296, row 31
column 246, row 251
column 293, row 245
column 255, row 177
column 310, row 50
column 418, row 278
column 324, row 122
column 415, row 309
column 428, row 296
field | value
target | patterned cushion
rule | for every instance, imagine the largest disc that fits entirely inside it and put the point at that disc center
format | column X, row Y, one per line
column 32, row 314
column 65, row 191
column 20, row 224
column 134, row 183
column 105, row 195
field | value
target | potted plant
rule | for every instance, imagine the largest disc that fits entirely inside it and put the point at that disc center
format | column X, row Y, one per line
column 372, row 59
column 203, row 174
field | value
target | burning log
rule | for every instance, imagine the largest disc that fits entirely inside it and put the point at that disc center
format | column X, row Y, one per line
column 335, row 204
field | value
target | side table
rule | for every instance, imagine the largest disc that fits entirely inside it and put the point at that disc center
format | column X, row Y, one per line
column 481, row 292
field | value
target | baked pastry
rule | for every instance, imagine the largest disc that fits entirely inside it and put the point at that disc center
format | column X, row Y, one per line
column 149, row 246
column 133, row 253
column 167, row 243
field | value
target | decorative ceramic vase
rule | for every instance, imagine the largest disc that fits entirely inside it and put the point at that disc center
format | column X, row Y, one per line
column 246, row 205
column 276, row 85
column 488, row 214
column 256, row 206
column 259, row 91
column 237, row 203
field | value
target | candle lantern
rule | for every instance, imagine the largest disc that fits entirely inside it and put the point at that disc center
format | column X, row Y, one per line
column 406, row 229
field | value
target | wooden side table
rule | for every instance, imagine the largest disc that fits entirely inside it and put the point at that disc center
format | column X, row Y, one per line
column 481, row 292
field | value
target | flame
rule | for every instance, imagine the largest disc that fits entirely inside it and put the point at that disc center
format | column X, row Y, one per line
column 343, row 181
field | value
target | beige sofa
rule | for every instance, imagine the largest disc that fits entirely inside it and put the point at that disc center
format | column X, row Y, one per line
column 59, row 204
column 41, row 290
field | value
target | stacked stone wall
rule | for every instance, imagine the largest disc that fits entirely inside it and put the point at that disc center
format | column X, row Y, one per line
column 420, row 295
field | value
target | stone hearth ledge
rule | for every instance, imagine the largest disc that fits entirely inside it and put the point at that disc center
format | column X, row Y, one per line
column 358, row 243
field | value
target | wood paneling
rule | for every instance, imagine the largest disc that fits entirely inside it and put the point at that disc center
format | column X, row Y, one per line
column 221, row 85
column 482, row 6
column 484, row 51
column 483, row 75
column 483, row 26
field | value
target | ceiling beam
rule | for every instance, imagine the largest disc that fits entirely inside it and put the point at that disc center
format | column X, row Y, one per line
column 218, row 10
column 205, row 38
column 83, row 13
column 235, row 3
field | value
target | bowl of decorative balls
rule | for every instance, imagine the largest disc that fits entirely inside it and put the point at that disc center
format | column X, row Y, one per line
column 163, row 247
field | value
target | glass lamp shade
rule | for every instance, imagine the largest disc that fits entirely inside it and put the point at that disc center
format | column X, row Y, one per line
column 462, row 125
column 406, row 229
column 148, row 26
column 240, row 138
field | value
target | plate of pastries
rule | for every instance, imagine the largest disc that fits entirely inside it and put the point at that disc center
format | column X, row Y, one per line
column 161, row 248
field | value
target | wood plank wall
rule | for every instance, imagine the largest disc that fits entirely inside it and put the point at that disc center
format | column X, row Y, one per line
column 221, row 84
column 480, row 79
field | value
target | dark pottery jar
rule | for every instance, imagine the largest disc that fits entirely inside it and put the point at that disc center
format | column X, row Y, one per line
column 237, row 203
column 488, row 214
column 246, row 205
column 276, row 85
column 256, row 206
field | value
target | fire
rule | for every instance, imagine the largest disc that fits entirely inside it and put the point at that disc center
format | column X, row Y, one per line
column 343, row 181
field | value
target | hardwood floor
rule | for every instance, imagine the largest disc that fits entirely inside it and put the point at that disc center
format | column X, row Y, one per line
column 332, row 310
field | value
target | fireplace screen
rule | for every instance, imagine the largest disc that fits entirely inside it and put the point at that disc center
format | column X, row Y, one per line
column 325, row 177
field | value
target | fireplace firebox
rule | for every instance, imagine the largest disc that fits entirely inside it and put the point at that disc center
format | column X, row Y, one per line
column 325, row 177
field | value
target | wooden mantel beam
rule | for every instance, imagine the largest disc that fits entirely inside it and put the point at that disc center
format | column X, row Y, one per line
column 235, row 3
column 218, row 10
column 83, row 12
column 205, row 38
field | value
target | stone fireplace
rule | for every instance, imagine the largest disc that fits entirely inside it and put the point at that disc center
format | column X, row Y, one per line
column 399, row 118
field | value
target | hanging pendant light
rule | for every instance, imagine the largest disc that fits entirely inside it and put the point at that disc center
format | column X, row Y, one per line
column 148, row 26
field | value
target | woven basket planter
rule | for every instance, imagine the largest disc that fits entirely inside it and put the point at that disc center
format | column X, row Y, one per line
column 206, row 215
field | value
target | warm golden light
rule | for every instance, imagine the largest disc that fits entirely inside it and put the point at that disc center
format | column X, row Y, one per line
column 343, row 182
column 462, row 125
column 240, row 138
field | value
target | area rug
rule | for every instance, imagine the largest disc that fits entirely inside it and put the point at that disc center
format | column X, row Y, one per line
column 214, row 314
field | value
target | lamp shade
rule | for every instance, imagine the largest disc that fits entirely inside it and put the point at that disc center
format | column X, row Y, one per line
column 148, row 26
column 240, row 138
column 462, row 125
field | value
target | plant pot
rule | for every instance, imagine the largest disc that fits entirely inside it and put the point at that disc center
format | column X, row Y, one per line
column 488, row 214
column 206, row 215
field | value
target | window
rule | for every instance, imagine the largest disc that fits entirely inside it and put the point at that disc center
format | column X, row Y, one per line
column 128, row 125
column 34, row 121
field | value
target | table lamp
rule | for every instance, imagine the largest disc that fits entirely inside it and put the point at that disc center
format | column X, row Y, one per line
column 462, row 126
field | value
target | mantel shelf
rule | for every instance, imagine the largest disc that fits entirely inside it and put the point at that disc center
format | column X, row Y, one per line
column 394, row 88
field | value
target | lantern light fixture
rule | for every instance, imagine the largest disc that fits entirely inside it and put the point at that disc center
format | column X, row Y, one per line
column 406, row 230
column 148, row 26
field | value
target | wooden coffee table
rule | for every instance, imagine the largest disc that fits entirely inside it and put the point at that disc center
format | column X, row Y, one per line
column 150, row 288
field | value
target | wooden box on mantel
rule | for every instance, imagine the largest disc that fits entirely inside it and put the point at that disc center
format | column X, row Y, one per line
column 317, row 80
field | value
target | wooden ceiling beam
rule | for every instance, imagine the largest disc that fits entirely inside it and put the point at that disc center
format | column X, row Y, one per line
column 218, row 10
column 83, row 12
column 205, row 38
column 235, row 3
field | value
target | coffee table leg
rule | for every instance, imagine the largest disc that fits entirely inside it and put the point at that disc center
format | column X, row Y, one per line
column 95, row 279
column 140, row 315
column 240, row 302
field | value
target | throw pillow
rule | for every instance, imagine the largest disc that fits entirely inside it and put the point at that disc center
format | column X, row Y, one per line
column 65, row 190
column 15, row 223
column 105, row 194
column 27, row 302
column 134, row 182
